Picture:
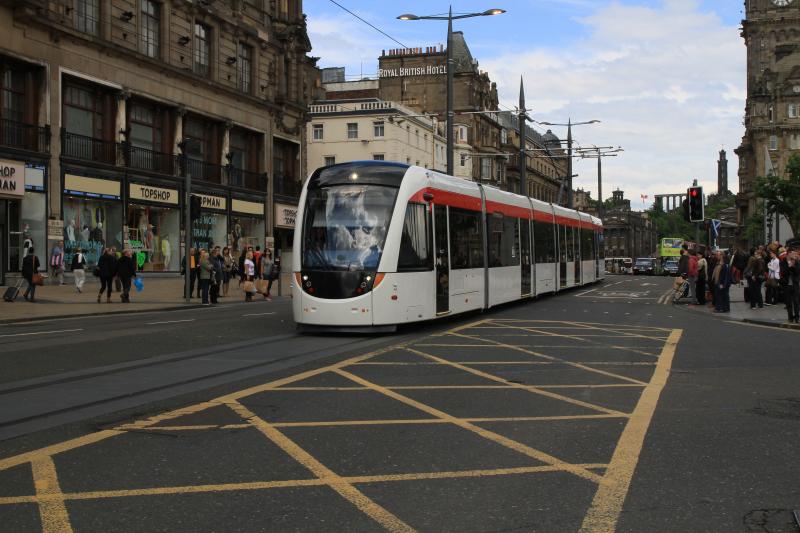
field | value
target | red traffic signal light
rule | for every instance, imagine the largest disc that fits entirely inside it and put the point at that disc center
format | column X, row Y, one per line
column 694, row 193
column 696, row 204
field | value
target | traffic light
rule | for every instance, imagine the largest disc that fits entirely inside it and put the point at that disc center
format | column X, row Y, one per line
column 696, row 207
column 194, row 207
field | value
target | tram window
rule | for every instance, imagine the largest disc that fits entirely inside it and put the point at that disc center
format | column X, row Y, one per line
column 587, row 245
column 466, row 241
column 562, row 244
column 544, row 242
column 570, row 243
column 416, row 249
column 503, row 241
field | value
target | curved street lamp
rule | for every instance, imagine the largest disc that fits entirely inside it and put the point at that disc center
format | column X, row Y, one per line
column 450, row 70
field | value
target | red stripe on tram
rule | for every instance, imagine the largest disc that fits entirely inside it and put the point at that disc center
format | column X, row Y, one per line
column 508, row 210
column 453, row 199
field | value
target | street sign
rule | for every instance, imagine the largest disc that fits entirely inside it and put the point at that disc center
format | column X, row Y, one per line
column 715, row 226
column 55, row 230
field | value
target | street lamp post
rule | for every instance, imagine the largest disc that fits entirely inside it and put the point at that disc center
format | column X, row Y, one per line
column 450, row 67
column 599, row 152
column 568, row 180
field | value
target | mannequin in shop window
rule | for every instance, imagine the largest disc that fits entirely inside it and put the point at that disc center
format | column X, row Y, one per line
column 69, row 231
column 236, row 234
column 85, row 233
column 27, row 242
column 97, row 234
column 166, row 251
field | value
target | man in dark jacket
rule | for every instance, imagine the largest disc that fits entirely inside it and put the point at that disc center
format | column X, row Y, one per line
column 683, row 263
column 30, row 266
column 106, row 270
column 218, row 263
column 126, row 270
column 790, row 284
column 194, row 266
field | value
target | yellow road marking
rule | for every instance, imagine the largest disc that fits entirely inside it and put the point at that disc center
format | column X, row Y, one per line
column 630, row 335
column 386, row 519
column 540, row 332
column 632, row 328
column 520, row 386
column 52, row 510
column 570, row 363
column 610, row 496
column 460, row 328
column 316, row 482
column 490, row 435
column 535, row 363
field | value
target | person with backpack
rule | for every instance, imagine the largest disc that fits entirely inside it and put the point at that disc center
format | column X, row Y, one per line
column 30, row 267
column 57, row 262
column 79, row 269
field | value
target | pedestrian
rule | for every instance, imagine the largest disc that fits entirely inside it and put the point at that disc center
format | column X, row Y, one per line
column 790, row 277
column 126, row 270
column 106, row 270
column 773, row 278
column 257, row 261
column 205, row 273
column 702, row 276
column 267, row 272
column 30, row 267
column 683, row 262
column 723, row 285
column 57, row 262
column 228, row 270
column 754, row 274
column 117, row 282
column 78, row 269
column 692, row 271
column 249, row 275
column 242, row 257
column 216, row 280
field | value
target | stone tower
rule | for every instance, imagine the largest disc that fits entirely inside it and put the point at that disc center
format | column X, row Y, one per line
column 771, row 31
column 722, row 174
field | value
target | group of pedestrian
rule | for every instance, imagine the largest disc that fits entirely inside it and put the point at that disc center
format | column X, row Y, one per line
column 711, row 276
column 110, row 268
column 779, row 268
column 211, row 272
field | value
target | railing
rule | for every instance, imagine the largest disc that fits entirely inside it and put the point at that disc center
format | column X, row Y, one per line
column 144, row 159
column 247, row 179
column 88, row 148
column 204, row 171
column 23, row 136
column 286, row 186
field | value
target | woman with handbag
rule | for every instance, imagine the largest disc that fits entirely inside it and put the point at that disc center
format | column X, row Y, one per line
column 773, row 278
column 30, row 271
column 267, row 272
column 249, row 277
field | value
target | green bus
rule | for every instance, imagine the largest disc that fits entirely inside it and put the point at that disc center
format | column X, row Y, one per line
column 670, row 247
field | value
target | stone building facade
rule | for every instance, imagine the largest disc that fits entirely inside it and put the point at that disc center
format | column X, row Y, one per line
column 628, row 233
column 771, row 31
column 108, row 104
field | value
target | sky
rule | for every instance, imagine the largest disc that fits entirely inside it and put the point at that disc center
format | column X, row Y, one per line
column 666, row 78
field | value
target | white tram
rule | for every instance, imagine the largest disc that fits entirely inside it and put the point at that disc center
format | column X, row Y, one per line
column 379, row 244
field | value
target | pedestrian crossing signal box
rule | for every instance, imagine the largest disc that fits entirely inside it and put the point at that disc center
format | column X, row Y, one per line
column 696, row 204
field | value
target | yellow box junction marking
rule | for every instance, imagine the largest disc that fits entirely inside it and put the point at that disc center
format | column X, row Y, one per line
column 613, row 481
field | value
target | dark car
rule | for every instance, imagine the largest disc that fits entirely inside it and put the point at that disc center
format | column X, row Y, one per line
column 644, row 265
column 671, row 266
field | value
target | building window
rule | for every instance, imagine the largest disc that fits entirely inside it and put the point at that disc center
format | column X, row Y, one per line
column 792, row 111
column 330, row 160
column 12, row 94
column 202, row 49
column 245, row 67
column 771, row 113
column 83, row 112
column 773, row 142
column 145, row 132
column 377, row 157
column 318, row 132
column 240, row 157
column 377, row 128
column 88, row 16
column 149, row 44
column 486, row 168
column 352, row 130
column 504, row 136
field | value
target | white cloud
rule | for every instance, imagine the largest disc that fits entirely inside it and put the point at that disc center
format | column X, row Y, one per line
column 668, row 83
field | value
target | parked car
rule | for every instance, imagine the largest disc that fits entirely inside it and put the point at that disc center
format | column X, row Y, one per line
column 644, row 265
column 671, row 266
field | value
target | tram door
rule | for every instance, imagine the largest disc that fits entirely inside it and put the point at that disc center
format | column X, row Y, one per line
column 525, row 252
column 442, row 259
column 562, row 255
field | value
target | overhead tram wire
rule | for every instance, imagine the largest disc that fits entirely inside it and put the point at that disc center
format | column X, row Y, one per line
column 369, row 24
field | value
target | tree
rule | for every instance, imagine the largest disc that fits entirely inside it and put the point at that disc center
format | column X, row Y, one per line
column 670, row 224
column 782, row 195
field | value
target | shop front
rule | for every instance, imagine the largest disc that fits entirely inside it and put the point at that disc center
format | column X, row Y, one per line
column 93, row 217
column 153, row 226
column 285, row 215
column 211, row 227
column 248, row 225
column 23, row 214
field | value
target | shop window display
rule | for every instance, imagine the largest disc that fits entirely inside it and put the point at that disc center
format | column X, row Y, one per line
column 209, row 230
column 246, row 231
column 33, row 225
column 154, row 237
column 91, row 225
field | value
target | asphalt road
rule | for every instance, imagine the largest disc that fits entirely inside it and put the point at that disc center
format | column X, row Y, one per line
column 599, row 409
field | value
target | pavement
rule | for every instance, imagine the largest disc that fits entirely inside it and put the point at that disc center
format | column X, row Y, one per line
column 57, row 301
column 601, row 409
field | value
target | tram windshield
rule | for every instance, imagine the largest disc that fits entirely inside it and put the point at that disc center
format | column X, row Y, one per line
column 345, row 226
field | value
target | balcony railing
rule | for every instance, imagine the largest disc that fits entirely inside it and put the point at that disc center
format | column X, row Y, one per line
column 88, row 148
column 204, row 171
column 23, row 136
column 144, row 159
column 286, row 186
column 247, row 179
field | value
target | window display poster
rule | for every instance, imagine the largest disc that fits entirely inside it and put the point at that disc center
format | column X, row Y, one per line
column 209, row 230
column 91, row 225
column 33, row 226
column 247, row 231
column 153, row 233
